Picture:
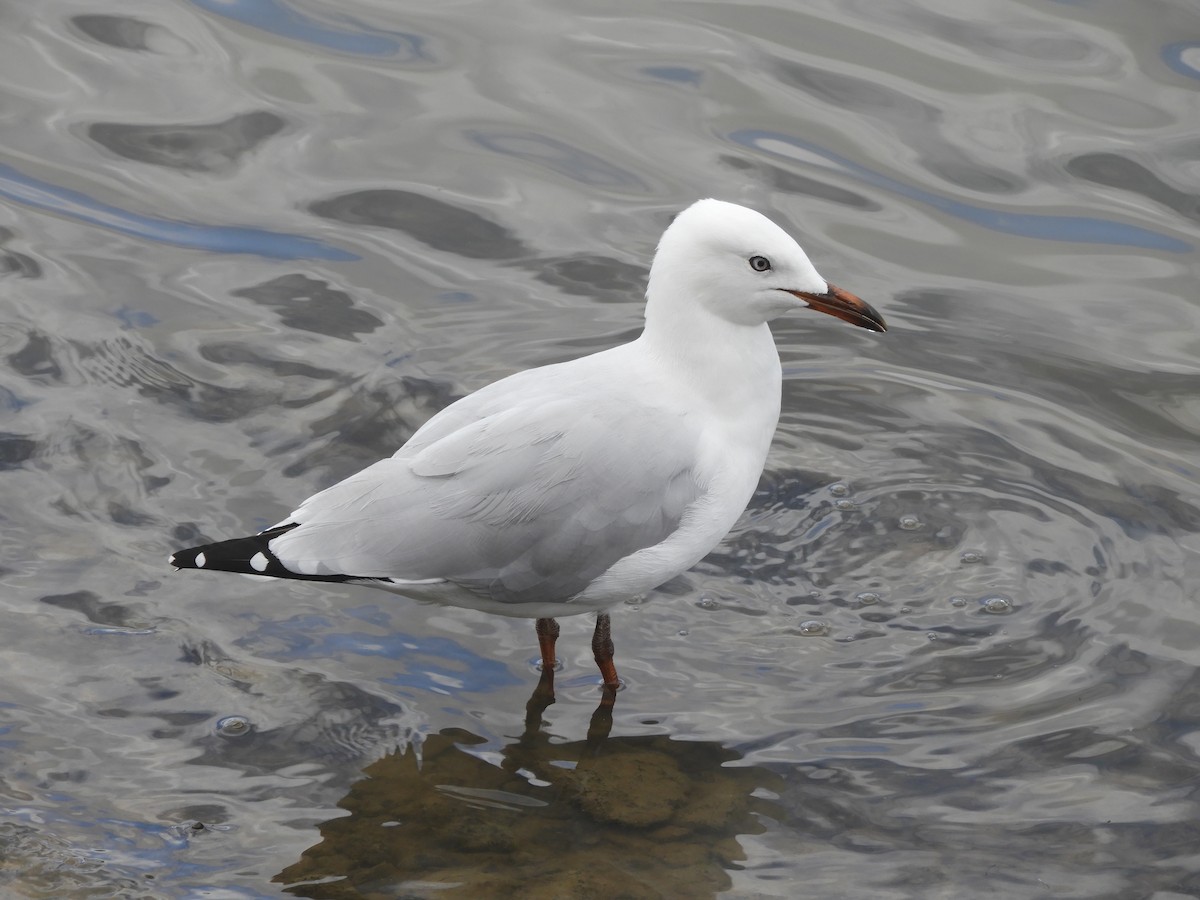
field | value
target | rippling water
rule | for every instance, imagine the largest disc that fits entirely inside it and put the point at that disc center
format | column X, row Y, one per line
column 951, row 650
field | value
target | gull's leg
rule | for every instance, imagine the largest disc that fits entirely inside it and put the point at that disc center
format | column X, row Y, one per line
column 602, row 650
column 547, row 632
column 543, row 694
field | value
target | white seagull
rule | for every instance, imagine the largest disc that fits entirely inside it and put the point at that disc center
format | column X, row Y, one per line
column 572, row 487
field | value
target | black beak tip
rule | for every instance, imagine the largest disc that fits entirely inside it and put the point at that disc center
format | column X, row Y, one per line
column 867, row 317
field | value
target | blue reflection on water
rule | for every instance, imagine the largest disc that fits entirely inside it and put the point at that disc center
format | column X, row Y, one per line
column 128, row 849
column 135, row 318
column 1175, row 56
column 22, row 188
column 431, row 663
column 553, row 154
column 279, row 18
column 1042, row 227
column 11, row 401
column 674, row 74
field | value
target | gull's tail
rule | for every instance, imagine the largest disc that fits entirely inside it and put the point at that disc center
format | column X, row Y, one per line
column 245, row 556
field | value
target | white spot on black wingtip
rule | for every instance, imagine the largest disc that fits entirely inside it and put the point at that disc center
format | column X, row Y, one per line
column 171, row 561
column 258, row 562
column 200, row 560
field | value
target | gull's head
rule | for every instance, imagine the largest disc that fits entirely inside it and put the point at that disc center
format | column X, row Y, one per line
column 742, row 267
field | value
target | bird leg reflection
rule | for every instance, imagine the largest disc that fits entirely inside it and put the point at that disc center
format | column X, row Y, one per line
column 599, row 725
column 542, row 697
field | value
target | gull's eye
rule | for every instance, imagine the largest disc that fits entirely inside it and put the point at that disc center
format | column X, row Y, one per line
column 760, row 263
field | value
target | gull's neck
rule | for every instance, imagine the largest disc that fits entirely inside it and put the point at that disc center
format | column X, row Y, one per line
column 734, row 367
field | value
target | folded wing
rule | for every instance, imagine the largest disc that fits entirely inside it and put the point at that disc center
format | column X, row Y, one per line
column 528, row 503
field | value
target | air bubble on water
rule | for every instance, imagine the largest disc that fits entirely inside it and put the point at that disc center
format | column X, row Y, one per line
column 189, row 828
column 839, row 489
column 814, row 628
column 867, row 598
column 708, row 603
column 905, row 610
column 997, row 605
column 635, row 600
column 909, row 522
column 958, row 601
column 844, row 505
column 233, row 726
column 683, row 632
column 971, row 557
column 932, row 635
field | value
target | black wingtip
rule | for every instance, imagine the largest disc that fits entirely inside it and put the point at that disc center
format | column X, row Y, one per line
column 248, row 555
column 186, row 559
column 244, row 556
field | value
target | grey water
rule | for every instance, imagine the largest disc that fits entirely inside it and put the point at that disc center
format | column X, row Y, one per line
column 952, row 648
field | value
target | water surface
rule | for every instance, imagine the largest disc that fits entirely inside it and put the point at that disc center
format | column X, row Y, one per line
column 950, row 650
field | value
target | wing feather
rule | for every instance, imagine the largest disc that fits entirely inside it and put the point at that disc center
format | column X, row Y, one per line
column 519, row 502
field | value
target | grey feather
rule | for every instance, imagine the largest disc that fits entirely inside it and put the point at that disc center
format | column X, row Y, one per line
column 524, row 501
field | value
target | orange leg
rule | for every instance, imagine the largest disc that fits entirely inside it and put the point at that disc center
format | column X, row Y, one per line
column 547, row 632
column 602, row 650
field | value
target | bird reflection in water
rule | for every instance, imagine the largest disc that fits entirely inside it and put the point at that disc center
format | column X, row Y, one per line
column 636, row 816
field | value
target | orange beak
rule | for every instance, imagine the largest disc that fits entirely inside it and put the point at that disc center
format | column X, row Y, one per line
column 845, row 306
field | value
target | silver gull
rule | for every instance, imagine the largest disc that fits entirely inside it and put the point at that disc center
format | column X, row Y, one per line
column 572, row 487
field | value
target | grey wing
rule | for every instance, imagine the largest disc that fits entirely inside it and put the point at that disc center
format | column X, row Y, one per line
column 526, row 505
